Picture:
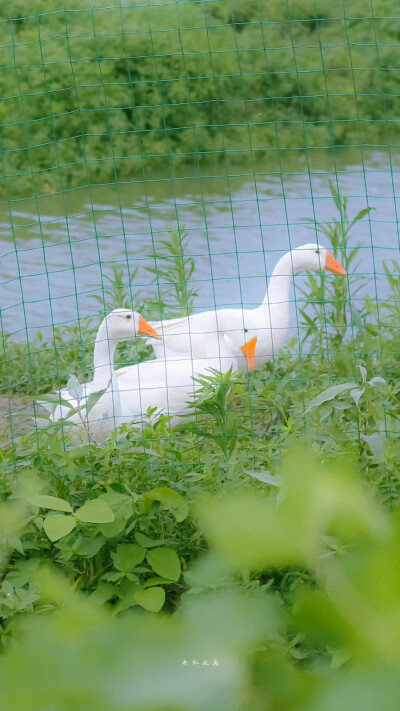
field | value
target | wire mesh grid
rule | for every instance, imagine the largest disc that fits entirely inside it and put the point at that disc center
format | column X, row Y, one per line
column 165, row 156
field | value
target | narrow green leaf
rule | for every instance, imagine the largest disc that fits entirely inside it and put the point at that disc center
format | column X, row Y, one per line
column 156, row 581
column 147, row 542
column 330, row 394
column 362, row 214
column 363, row 372
column 54, row 398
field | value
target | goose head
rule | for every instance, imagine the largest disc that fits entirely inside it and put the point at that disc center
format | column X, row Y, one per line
column 314, row 258
column 125, row 324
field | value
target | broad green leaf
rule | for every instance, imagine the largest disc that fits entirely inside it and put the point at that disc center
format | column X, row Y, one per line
column 50, row 502
column 330, row 394
column 112, row 529
column 376, row 443
column 14, row 542
column 58, row 526
column 93, row 399
column 121, row 506
column 74, row 388
column 88, row 546
column 103, row 593
column 165, row 563
column 95, row 511
column 23, row 572
column 151, row 599
column 47, row 406
column 126, row 593
column 171, row 500
column 130, row 555
column 356, row 394
column 377, row 380
column 54, row 398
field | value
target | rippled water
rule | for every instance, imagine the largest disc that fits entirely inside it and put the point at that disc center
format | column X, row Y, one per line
column 54, row 250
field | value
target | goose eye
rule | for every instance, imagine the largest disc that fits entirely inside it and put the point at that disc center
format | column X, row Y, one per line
column 317, row 251
column 128, row 316
column 246, row 330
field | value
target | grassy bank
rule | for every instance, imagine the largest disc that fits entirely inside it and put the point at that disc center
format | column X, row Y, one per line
column 96, row 95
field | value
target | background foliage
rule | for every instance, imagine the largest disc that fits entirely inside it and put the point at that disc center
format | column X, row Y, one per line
column 93, row 95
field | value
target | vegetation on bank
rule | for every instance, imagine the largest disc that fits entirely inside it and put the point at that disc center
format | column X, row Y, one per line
column 96, row 95
column 267, row 529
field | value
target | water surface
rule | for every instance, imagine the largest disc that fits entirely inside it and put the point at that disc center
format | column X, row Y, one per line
column 55, row 250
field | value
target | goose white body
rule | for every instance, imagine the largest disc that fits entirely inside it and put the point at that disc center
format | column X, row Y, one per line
column 168, row 384
column 197, row 334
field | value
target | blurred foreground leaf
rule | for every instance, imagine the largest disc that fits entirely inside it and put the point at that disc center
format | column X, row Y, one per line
column 82, row 657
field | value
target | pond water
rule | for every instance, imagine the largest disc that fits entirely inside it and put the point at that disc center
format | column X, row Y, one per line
column 55, row 250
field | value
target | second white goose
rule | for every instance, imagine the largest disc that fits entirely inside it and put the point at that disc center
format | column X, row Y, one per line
column 107, row 413
column 169, row 384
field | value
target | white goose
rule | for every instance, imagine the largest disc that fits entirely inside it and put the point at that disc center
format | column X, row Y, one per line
column 168, row 384
column 107, row 413
column 269, row 322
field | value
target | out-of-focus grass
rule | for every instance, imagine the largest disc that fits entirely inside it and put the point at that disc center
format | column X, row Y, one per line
column 335, row 646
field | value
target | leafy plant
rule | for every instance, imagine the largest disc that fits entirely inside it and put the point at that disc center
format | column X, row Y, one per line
column 214, row 398
column 117, row 291
column 330, row 312
column 173, row 270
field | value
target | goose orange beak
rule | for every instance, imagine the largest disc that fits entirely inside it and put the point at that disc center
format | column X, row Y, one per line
column 249, row 352
column 146, row 330
column 331, row 265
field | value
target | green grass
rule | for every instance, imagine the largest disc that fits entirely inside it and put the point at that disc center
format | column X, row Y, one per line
column 97, row 95
column 264, row 535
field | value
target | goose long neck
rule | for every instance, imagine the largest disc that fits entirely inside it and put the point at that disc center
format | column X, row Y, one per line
column 280, row 281
column 104, row 350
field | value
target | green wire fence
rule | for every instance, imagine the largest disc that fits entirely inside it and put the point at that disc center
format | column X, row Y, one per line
column 165, row 155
